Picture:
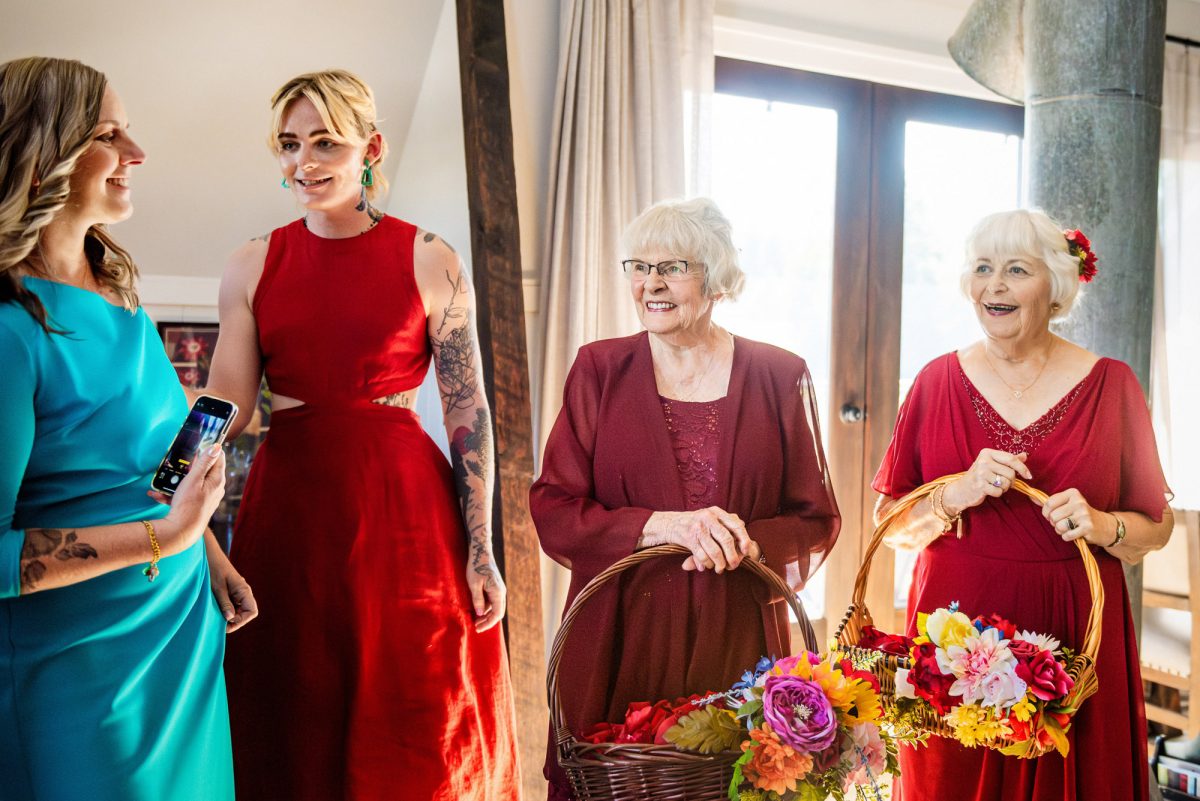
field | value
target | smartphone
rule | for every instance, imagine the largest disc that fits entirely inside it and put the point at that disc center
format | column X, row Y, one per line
column 206, row 425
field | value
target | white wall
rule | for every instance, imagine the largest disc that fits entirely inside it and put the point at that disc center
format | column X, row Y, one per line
column 197, row 78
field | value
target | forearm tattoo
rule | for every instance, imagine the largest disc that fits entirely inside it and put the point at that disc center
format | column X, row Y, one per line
column 46, row 543
column 471, row 456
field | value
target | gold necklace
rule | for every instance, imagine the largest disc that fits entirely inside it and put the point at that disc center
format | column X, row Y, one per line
column 1017, row 393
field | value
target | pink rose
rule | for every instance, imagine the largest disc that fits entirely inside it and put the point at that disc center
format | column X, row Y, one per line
column 1046, row 678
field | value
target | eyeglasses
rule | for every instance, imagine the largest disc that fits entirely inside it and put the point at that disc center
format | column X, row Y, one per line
column 671, row 270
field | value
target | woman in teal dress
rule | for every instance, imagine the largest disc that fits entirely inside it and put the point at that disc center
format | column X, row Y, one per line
column 110, row 685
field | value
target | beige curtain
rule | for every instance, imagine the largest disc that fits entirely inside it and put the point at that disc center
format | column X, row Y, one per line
column 1176, row 358
column 631, row 117
column 631, row 128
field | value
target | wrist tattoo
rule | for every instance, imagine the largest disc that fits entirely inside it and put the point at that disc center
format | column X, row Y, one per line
column 44, row 543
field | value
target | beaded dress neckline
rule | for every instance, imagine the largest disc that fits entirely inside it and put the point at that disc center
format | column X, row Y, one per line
column 1020, row 440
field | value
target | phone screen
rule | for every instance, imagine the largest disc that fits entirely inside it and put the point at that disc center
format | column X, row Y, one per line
column 205, row 426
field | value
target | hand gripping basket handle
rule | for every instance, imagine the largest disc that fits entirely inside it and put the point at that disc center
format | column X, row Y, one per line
column 769, row 576
column 851, row 627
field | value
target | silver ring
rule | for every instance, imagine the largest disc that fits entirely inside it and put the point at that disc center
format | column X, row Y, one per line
column 997, row 482
column 1071, row 525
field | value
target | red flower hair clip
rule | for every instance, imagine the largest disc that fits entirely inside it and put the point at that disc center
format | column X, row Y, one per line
column 1079, row 247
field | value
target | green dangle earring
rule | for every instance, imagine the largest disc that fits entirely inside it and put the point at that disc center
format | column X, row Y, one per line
column 284, row 184
column 368, row 179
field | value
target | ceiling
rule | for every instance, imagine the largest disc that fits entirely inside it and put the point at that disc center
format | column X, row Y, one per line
column 196, row 79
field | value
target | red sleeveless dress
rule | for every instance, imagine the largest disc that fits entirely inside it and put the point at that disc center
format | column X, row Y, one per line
column 363, row 678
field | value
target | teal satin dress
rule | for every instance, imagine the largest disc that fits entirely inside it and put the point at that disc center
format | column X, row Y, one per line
column 110, row 689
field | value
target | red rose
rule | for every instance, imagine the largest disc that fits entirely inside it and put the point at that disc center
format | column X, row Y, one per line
column 603, row 733
column 895, row 644
column 1007, row 630
column 682, row 706
column 1023, row 651
column 1045, row 677
column 642, row 721
column 850, row 672
column 928, row 681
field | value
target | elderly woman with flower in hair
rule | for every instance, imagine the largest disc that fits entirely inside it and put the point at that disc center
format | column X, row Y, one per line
column 1023, row 403
column 681, row 434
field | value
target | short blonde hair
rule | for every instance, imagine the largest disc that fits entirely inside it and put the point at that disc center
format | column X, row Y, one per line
column 1027, row 234
column 346, row 105
column 695, row 230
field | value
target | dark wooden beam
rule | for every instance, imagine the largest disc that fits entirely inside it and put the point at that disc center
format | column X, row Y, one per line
column 496, row 260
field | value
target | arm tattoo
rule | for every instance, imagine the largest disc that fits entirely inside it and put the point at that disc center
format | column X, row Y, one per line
column 429, row 237
column 471, row 456
column 262, row 238
column 455, row 357
column 49, row 542
column 454, row 311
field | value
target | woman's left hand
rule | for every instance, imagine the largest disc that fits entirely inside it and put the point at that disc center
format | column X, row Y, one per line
column 489, row 596
column 233, row 593
column 1072, row 517
column 753, row 551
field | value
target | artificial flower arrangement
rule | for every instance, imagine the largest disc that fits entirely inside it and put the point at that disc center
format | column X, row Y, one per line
column 988, row 683
column 808, row 728
column 1080, row 247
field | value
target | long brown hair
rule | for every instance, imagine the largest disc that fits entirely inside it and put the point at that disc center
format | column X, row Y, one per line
column 49, row 108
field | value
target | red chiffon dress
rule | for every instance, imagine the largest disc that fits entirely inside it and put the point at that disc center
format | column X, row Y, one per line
column 1097, row 439
column 363, row 678
column 617, row 453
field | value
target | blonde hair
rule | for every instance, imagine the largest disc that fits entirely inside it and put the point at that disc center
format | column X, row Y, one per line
column 694, row 230
column 1029, row 234
column 346, row 105
column 49, row 108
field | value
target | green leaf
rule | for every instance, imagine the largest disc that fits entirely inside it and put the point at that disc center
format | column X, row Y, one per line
column 706, row 730
column 750, row 708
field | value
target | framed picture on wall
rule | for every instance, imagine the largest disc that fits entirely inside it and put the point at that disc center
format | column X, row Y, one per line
column 190, row 348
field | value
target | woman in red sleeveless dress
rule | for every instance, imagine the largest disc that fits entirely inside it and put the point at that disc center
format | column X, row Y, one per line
column 1024, row 403
column 378, row 671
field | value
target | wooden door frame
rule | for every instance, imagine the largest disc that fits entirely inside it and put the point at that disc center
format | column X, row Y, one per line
column 868, row 254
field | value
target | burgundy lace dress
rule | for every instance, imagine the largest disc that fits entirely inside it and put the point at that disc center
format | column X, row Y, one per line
column 617, row 453
column 1097, row 439
column 695, row 431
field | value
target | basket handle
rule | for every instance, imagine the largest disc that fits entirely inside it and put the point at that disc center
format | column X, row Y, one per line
column 1091, row 639
column 759, row 569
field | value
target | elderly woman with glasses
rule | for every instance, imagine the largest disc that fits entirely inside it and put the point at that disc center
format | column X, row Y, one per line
column 685, row 434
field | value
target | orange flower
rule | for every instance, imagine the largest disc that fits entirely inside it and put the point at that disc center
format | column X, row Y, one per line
column 775, row 765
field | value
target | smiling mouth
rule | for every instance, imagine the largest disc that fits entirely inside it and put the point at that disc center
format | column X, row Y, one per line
column 121, row 182
column 659, row 305
column 316, row 182
column 999, row 308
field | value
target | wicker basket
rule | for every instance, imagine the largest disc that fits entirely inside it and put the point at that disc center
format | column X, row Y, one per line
column 634, row 772
column 1081, row 667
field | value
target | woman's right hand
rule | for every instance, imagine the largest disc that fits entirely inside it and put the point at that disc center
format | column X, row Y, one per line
column 194, row 503
column 717, row 539
column 990, row 476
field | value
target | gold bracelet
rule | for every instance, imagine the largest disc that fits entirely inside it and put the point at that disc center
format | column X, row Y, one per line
column 151, row 571
column 939, row 511
column 1120, row 532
